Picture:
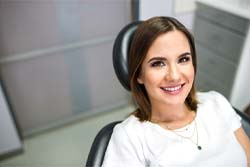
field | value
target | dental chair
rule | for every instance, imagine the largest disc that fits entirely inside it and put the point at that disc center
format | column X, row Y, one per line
column 120, row 54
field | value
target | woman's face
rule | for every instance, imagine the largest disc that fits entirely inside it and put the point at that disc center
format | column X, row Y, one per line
column 167, row 71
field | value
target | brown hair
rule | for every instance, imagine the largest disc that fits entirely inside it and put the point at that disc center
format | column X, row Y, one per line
column 145, row 35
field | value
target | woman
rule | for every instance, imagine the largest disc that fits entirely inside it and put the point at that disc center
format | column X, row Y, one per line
column 173, row 125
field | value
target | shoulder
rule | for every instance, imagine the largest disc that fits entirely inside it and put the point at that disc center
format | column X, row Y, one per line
column 125, row 146
column 130, row 126
column 210, row 96
column 215, row 106
column 127, row 133
column 213, row 99
column 130, row 129
column 210, row 103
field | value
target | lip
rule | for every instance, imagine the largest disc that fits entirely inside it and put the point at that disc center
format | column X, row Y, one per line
column 173, row 90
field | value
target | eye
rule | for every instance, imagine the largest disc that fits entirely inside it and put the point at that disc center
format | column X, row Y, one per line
column 184, row 59
column 157, row 64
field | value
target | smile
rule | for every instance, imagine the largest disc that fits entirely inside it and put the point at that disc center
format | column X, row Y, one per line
column 173, row 88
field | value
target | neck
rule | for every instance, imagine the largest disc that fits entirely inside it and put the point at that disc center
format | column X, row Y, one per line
column 170, row 114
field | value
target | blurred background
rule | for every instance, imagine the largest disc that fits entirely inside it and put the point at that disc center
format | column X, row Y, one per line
column 58, row 86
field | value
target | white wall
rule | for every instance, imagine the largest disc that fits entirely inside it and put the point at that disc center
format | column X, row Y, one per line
column 149, row 8
column 183, row 10
column 240, row 96
column 9, row 140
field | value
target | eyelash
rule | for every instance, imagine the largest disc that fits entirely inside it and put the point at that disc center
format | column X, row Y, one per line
column 157, row 64
column 184, row 59
column 160, row 63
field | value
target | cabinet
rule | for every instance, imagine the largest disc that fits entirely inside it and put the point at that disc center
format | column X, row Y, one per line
column 220, row 38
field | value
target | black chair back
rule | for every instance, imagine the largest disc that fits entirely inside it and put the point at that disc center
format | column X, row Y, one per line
column 120, row 63
column 99, row 146
column 120, row 53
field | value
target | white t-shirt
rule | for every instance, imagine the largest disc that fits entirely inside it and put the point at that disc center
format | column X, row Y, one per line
column 139, row 144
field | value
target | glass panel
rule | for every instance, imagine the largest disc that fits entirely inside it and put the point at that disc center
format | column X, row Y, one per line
column 56, row 58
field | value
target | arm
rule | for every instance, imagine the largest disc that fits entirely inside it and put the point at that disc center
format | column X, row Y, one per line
column 244, row 141
column 234, row 123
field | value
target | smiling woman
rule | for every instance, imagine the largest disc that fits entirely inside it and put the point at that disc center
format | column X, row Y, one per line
column 173, row 125
column 167, row 73
column 168, row 45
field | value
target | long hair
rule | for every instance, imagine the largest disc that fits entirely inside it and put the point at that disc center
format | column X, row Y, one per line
column 145, row 35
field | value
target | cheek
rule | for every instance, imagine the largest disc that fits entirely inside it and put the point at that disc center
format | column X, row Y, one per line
column 190, row 73
column 151, row 78
column 154, row 76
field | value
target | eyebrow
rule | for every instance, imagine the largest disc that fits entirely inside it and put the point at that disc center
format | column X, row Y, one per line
column 164, row 59
column 185, row 54
column 157, row 58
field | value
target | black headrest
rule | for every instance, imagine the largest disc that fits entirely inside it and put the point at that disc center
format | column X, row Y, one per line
column 121, row 51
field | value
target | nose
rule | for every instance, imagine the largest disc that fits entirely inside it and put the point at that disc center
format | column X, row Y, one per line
column 173, row 73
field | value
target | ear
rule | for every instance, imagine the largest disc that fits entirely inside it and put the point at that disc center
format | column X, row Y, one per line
column 139, row 80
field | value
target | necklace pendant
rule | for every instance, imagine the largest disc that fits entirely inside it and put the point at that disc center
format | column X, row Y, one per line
column 199, row 147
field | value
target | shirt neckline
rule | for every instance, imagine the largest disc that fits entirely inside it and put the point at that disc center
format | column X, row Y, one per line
column 170, row 132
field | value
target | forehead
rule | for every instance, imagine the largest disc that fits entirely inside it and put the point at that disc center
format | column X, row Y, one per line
column 169, row 44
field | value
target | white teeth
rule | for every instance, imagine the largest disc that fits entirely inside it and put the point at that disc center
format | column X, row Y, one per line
column 173, row 88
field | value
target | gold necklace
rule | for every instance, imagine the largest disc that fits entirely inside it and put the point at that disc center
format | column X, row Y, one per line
column 181, row 129
column 189, row 138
